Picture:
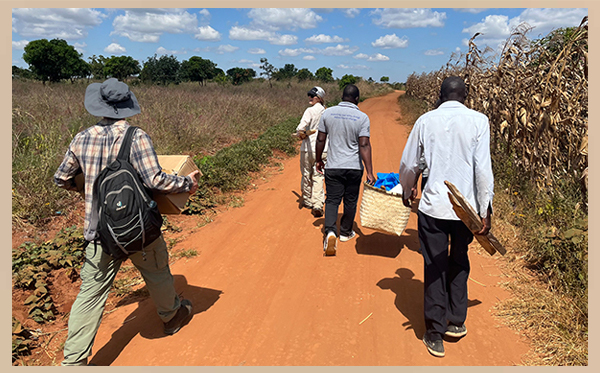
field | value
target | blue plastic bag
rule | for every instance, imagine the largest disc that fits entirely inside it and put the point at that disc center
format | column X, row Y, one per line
column 387, row 180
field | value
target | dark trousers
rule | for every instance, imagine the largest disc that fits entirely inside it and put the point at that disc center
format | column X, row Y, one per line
column 341, row 184
column 446, row 272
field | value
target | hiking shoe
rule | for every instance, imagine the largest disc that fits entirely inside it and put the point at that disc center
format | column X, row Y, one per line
column 317, row 213
column 435, row 347
column 330, row 244
column 183, row 315
column 347, row 238
column 456, row 331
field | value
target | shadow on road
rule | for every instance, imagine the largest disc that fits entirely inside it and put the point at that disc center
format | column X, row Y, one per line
column 409, row 299
column 145, row 321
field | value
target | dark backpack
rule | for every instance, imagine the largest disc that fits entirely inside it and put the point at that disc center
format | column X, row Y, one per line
column 128, row 218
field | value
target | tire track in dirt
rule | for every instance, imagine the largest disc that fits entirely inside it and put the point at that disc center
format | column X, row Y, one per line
column 264, row 294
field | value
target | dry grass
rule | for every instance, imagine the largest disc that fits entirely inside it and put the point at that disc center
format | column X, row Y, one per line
column 183, row 119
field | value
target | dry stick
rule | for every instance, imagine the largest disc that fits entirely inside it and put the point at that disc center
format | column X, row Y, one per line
column 365, row 319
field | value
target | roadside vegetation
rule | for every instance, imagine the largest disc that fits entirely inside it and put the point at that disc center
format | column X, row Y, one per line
column 231, row 131
column 536, row 96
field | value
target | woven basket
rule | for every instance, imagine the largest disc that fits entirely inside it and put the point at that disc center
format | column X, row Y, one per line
column 383, row 211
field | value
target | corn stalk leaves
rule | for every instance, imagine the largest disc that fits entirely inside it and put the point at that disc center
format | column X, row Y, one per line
column 536, row 97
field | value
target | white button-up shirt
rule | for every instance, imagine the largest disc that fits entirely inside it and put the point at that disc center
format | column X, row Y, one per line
column 455, row 142
column 310, row 121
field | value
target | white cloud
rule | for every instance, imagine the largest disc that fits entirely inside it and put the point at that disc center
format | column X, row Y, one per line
column 284, row 39
column 470, row 10
column 162, row 50
column 309, row 58
column 361, row 56
column 408, row 18
column 378, row 57
column 79, row 47
column 245, row 61
column 251, row 33
column 226, row 48
column 204, row 15
column 63, row 23
column 495, row 29
column 284, row 18
column 294, row 52
column 351, row 12
column 147, row 25
column 545, row 20
column 433, row 52
column 115, row 48
column 207, row 33
column 390, row 41
column 19, row 45
column 257, row 51
column 339, row 50
column 322, row 38
column 353, row 67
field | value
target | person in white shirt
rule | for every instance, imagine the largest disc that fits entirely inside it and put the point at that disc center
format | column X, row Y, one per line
column 455, row 143
column 311, row 184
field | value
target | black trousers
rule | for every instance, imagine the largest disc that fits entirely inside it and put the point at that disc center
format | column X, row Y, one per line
column 446, row 272
column 341, row 184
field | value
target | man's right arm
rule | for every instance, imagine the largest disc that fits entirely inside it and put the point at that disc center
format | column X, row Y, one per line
column 145, row 161
column 319, row 147
column 364, row 148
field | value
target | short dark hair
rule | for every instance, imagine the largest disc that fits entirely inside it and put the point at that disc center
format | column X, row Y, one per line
column 350, row 93
column 453, row 88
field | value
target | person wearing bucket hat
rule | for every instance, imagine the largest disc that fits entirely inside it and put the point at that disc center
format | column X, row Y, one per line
column 311, row 183
column 455, row 144
column 89, row 152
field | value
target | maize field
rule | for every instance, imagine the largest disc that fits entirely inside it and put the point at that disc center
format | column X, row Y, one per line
column 535, row 94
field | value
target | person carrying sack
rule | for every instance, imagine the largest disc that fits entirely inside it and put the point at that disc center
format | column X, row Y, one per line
column 90, row 152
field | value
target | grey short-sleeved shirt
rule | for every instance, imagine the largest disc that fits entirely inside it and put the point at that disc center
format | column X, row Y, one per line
column 344, row 124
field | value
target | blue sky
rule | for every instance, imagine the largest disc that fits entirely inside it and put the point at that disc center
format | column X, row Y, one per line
column 375, row 42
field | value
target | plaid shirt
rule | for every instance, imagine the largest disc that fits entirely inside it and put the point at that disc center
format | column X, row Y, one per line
column 94, row 148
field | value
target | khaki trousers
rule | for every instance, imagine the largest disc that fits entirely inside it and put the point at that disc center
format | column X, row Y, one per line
column 312, row 182
column 97, row 276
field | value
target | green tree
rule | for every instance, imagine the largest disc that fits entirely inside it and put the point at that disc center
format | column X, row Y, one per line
column 347, row 79
column 384, row 79
column 324, row 74
column 304, row 74
column 121, row 67
column 18, row 72
column 198, row 69
column 53, row 60
column 240, row 75
column 287, row 72
column 268, row 70
column 163, row 70
column 97, row 66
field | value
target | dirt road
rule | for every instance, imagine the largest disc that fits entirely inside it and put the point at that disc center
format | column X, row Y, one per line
column 264, row 294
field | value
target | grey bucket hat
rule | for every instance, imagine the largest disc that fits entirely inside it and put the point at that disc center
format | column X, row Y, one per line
column 111, row 99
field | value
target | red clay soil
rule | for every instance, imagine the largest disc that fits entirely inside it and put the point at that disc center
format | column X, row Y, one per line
column 264, row 294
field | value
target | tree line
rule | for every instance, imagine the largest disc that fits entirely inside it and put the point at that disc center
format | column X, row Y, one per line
column 55, row 60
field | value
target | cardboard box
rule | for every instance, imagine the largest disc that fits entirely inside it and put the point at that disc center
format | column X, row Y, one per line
column 181, row 165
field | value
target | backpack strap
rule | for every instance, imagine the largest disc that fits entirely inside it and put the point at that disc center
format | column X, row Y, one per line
column 126, row 144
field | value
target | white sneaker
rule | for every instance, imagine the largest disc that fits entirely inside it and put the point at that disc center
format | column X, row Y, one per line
column 330, row 244
column 348, row 238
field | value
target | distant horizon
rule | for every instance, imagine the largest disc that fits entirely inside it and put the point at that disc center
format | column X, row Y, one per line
column 365, row 42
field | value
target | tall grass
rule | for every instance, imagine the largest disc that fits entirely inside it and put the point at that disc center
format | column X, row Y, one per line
column 184, row 119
